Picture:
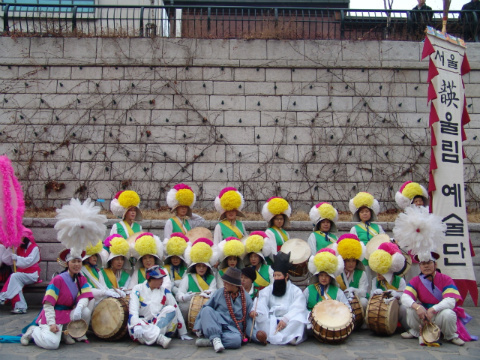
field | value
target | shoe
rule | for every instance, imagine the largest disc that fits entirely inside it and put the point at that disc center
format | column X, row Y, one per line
column 19, row 311
column 2, row 302
column 82, row 338
column 262, row 337
column 457, row 341
column 163, row 341
column 27, row 337
column 217, row 345
column 67, row 339
column 407, row 335
column 203, row 342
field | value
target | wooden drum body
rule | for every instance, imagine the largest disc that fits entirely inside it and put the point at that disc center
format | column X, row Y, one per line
column 332, row 321
column 195, row 306
column 382, row 318
column 357, row 310
column 110, row 318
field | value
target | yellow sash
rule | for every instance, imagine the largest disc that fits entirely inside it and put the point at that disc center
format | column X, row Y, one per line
column 179, row 224
column 281, row 233
column 175, row 274
column 202, row 283
column 340, row 282
column 370, row 229
column 111, row 277
column 386, row 284
column 261, row 281
column 129, row 229
column 234, row 229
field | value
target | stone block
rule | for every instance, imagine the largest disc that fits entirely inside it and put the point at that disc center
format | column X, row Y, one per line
column 317, row 119
column 218, row 73
column 59, row 171
column 285, row 50
column 218, row 171
column 135, row 171
column 320, row 51
column 219, row 102
column 134, row 87
column 9, row 72
column 125, row 152
column 8, row 117
column 417, row 90
column 263, row 103
column 164, row 117
column 189, row 102
column 197, row 87
column 86, row 72
column 422, row 106
column 158, row 134
column 303, row 135
column 181, row 49
column 269, row 136
column 375, row 104
column 282, row 75
column 229, row 88
column 280, row 118
column 211, row 118
column 341, row 89
column 22, row 101
column 248, row 49
column 104, row 86
column 381, row 76
column 72, row 86
column 89, row 152
column 285, row 88
column 190, row 73
column 15, row 47
column 341, row 104
column 400, row 50
column 244, row 118
column 407, row 76
column 33, row 72
column 195, row 134
column 113, row 50
column 113, row 73
column 212, row 49
column 205, row 153
column 164, row 87
column 81, row 49
column 241, row 153
column 266, row 88
column 121, row 134
column 51, row 152
column 277, row 154
column 249, row 74
column 164, row 73
column 317, row 89
column 151, row 102
column 46, row 49
column 236, row 135
column 16, row 86
column 166, row 152
column 150, row 49
column 248, row 173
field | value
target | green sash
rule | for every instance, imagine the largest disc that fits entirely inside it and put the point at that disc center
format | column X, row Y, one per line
column 176, row 275
column 177, row 225
column 141, row 275
column 357, row 274
column 314, row 296
column 92, row 272
column 263, row 277
column 322, row 243
column 111, row 281
column 192, row 285
column 364, row 236
column 121, row 230
column 227, row 232
column 281, row 236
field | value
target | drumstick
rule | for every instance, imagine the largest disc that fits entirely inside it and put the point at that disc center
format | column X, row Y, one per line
column 253, row 322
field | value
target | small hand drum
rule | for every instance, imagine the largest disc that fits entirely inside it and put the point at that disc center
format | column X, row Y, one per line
column 76, row 329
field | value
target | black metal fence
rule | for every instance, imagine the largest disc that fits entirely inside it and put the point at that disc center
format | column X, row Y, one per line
column 230, row 22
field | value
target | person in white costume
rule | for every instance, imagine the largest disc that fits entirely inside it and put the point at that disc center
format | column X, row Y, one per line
column 281, row 312
column 154, row 315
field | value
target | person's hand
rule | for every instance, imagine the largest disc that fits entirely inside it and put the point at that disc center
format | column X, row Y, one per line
column 205, row 294
column 137, row 332
column 112, row 293
column 395, row 294
column 121, row 293
column 14, row 257
column 388, row 300
column 77, row 313
column 54, row 328
column 377, row 292
column 421, row 312
column 281, row 325
column 253, row 314
column 185, row 337
column 430, row 314
column 351, row 290
column 187, row 296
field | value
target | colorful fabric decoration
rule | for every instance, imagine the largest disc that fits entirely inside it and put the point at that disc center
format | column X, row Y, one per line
column 364, row 199
column 326, row 260
column 322, row 211
column 407, row 192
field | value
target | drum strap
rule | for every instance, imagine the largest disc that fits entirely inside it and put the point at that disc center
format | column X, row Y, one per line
column 179, row 226
column 111, row 280
column 228, row 230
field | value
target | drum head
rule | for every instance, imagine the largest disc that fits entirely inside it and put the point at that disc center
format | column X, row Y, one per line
column 77, row 328
column 298, row 249
column 430, row 333
column 392, row 316
column 108, row 317
column 332, row 314
column 199, row 232
column 374, row 243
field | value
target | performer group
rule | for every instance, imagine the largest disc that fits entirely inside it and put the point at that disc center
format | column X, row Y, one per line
column 231, row 286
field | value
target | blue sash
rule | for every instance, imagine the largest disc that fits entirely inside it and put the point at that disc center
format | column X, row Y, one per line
column 72, row 286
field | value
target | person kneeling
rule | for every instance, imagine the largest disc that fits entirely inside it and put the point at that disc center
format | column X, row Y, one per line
column 154, row 313
column 224, row 319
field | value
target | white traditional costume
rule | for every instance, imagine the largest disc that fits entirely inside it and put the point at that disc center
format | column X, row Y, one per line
column 118, row 279
column 120, row 204
column 273, row 207
column 259, row 244
column 231, row 246
column 229, row 199
column 175, row 246
column 318, row 239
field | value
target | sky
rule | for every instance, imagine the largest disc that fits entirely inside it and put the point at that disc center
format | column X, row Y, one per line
column 404, row 4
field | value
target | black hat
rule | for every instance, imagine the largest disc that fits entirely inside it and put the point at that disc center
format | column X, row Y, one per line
column 281, row 262
column 250, row 272
column 233, row 276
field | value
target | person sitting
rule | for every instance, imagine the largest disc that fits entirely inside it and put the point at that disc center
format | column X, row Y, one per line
column 223, row 322
column 433, row 297
column 323, row 215
column 276, row 212
column 115, row 275
column 248, row 277
column 229, row 204
column 154, row 315
column 175, row 264
column 125, row 206
column 281, row 312
column 65, row 300
column 27, row 261
column 181, row 200
column 232, row 251
column 258, row 248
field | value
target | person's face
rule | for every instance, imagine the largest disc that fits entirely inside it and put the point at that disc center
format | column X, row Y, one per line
column 254, row 259
column 350, row 264
column 201, row 269
column 175, row 260
column 325, row 225
column 418, row 201
column 278, row 221
column 74, row 266
column 278, row 275
column 246, row 282
column 148, row 261
column 182, row 211
column 232, row 261
column 428, row 267
column 131, row 214
column 231, row 215
column 364, row 214
column 92, row 260
column 324, row 279
column 155, row 283
column 421, row 3
column 230, row 287
column 117, row 263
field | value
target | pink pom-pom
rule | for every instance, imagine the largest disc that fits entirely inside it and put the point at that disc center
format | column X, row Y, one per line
column 107, row 241
column 143, row 234
column 321, row 203
column 180, row 235
column 273, row 197
column 403, row 185
column 261, row 233
column 389, row 247
column 331, row 251
column 227, row 189
column 204, row 240
column 182, row 186
column 347, row 236
column 118, row 194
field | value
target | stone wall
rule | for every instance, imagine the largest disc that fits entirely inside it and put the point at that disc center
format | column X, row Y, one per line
column 307, row 120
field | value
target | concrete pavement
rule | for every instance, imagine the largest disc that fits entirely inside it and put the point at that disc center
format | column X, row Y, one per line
column 360, row 345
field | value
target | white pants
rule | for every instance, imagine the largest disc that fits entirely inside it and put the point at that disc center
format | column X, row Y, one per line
column 446, row 320
column 15, row 285
column 166, row 322
column 46, row 339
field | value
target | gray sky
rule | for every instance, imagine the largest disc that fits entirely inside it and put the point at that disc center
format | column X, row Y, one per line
column 405, row 5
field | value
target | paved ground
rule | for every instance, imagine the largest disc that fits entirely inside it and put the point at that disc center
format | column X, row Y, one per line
column 360, row 345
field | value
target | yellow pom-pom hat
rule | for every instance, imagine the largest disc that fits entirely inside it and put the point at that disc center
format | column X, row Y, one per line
column 118, row 246
column 324, row 211
column 364, row 199
column 408, row 191
column 148, row 244
column 349, row 246
column 98, row 250
column 231, row 246
column 229, row 199
column 387, row 260
column 201, row 251
column 123, row 201
column 326, row 260
column 175, row 246
column 276, row 206
column 181, row 195
column 259, row 243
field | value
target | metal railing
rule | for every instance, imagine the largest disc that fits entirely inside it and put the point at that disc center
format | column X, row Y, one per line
column 230, row 22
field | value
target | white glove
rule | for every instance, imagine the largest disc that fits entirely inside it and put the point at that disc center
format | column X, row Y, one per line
column 121, row 293
column 112, row 293
column 395, row 294
column 185, row 337
column 77, row 313
column 377, row 292
column 188, row 296
column 389, row 300
column 14, row 257
column 205, row 295
column 351, row 290
column 137, row 332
